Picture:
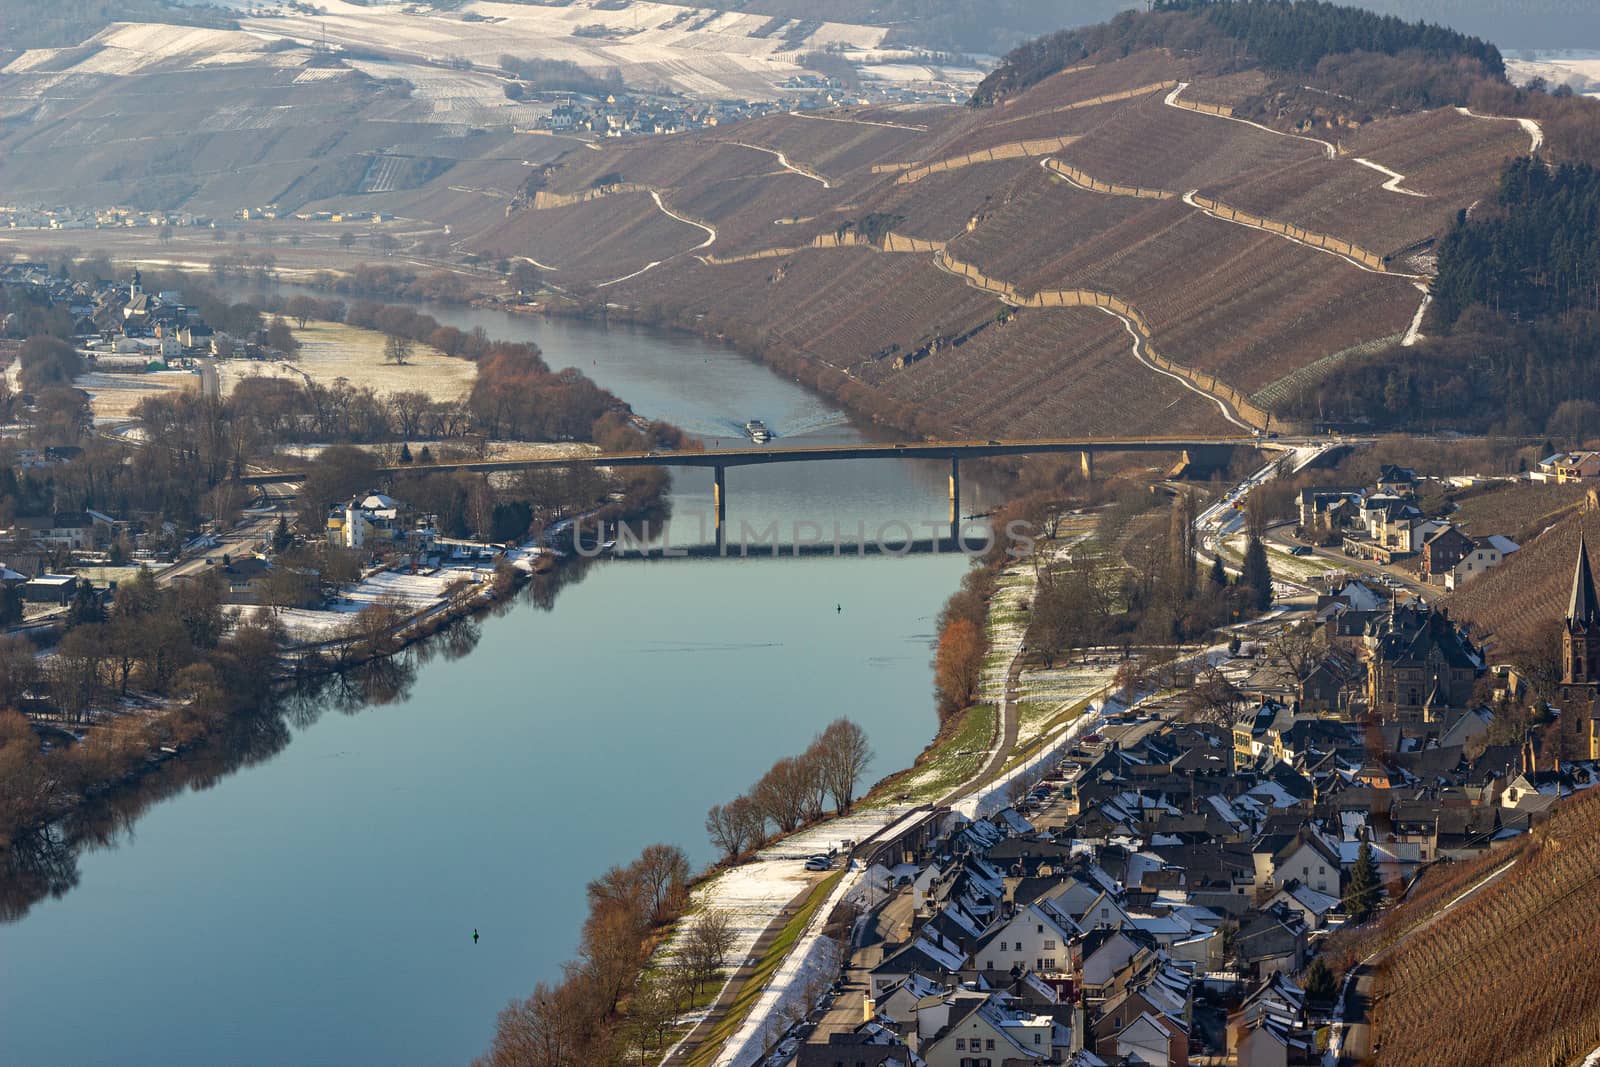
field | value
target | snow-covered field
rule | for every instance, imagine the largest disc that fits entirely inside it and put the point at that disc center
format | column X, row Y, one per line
column 464, row 96
column 920, row 76
column 496, row 450
column 415, row 592
column 753, row 893
column 700, row 52
column 1579, row 70
column 112, row 397
column 134, row 48
column 331, row 350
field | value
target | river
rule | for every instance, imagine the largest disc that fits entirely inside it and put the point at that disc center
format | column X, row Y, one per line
column 318, row 905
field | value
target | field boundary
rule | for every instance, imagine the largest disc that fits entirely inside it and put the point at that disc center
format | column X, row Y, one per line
column 1202, row 381
column 1095, row 101
column 1346, row 250
column 1043, row 146
column 1090, row 184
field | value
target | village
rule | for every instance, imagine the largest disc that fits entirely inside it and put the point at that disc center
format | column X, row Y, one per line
column 373, row 552
column 1169, row 887
column 1163, row 894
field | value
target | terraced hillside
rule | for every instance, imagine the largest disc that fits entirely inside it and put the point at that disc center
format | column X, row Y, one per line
column 1507, row 976
column 212, row 120
column 1511, row 602
column 1108, row 250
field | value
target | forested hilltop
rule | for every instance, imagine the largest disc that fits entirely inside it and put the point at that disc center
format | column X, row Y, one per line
column 1311, row 66
column 1300, row 38
column 1516, row 313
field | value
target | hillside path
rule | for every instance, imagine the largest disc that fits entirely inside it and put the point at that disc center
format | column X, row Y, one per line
column 1352, row 1031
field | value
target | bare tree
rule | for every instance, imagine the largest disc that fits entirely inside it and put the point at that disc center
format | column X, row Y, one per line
column 1018, row 788
column 664, row 873
column 815, row 763
column 707, row 944
column 397, row 349
column 19, row 668
column 1213, row 698
column 847, row 754
column 781, row 793
column 480, row 507
column 543, row 1031
column 748, row 814
column 1299, row 647
column 726, row 828
column 611, row 952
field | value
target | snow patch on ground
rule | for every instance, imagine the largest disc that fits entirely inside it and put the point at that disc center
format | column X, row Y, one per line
column 413, row 592
column 112, row 397
column 753, row 893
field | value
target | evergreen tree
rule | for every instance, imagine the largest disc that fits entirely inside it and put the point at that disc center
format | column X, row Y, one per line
column 1362, row 895
column 405, row 452
column 1318, row 982
column 85, row 607
column 1219, row 575
column 10, row 603
column 426, row 455
column 281, row 537
column 1258, row 573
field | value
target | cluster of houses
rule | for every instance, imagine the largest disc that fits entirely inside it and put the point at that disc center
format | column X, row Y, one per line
column 1160, row 896
column 271, row 213
column 112, row 319
column 16, row 217
column 1384, row 524
column 1567, row 468
column 625, row 115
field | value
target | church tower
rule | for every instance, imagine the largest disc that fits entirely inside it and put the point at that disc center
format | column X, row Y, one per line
column 1580, row 636
column 1580, row 650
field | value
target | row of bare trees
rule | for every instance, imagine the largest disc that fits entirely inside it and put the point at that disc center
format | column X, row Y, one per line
column 579, row 1019
column 795, row 791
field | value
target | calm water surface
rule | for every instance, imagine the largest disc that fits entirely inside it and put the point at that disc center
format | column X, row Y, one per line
column 318, row 906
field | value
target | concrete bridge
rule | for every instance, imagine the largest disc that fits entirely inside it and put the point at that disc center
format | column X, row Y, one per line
column 719, row 459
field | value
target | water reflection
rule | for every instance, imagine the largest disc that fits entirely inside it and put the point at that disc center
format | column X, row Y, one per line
column 45, row 864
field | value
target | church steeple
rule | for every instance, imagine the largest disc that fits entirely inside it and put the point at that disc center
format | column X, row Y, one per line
column 1583, row 607
column 1580, row 636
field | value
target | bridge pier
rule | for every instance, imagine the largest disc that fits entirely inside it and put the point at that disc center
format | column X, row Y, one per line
column 719, row 498
column 955, row 496
column 1088, row 466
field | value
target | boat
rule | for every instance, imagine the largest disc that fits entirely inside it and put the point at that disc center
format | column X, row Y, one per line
column 757, row 431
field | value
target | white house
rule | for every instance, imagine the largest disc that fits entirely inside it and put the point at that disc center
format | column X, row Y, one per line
column 1487, row 553
column 1035, row 938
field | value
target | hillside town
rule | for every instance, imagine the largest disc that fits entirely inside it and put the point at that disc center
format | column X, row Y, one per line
column 1166, row 893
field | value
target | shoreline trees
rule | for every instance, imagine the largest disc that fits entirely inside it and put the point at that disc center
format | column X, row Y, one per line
column 793, row 793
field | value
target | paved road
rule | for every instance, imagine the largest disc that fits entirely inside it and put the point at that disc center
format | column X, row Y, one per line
column 1008, row 736
column 1284, row 535
column 210, row 384
column 242, row 540
column 889, row 923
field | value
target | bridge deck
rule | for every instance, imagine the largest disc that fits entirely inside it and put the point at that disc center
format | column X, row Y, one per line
column 743, row 457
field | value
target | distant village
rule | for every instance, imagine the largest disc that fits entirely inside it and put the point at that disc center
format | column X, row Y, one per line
column 618, row 114
column 57, row 559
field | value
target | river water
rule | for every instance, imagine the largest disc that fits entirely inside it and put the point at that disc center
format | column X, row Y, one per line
column 316, row 904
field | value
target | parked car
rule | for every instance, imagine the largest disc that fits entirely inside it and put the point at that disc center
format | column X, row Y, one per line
column 1300, row 550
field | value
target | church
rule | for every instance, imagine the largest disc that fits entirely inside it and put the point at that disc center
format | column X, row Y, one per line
column 1580, row 649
